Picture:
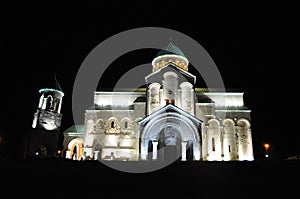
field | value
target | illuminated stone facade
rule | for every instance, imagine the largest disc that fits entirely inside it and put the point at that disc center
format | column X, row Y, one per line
column 169, row 119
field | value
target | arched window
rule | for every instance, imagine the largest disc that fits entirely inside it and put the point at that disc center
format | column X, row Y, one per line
column 49, row 102
column 187, row 96
column 55, row 104
column 213, row 123
column 243, row 123
column 228, row 129
column 213, row 144
column 153, row 97
column 112, row 124
column 99, row 125
column 170, row 85
column 126, row 125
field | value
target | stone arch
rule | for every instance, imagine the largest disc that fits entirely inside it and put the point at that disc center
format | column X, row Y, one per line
column 153, row 97
column 187, row 97
column 49, row 102
column 170, row 73
column 125, row 123
column 112, row 126
column 187, row 129
column 243, row 123
column 154, row 85
column 213, row 123
column 55, row 104
column 228, row 122
column 161, row 123
column 112, row 121
column 186, row 85
column 74, row 150
column 245, row 148
column 99, row 125
column 214, row 148
column 229, row 140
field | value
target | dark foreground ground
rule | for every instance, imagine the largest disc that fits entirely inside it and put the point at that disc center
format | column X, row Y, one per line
column 67, row 178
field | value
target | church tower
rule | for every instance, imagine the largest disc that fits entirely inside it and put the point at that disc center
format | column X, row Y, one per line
column 44, row 138
column 170, row 81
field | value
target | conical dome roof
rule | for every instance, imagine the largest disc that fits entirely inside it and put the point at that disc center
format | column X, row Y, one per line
column 170, row 49
column 170, row 54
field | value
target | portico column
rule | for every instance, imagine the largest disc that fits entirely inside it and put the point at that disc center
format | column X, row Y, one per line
column 183, row 150
column 144, row 149
column 154, row 152
column 68, row 154
column 197, row 151
column 96, row 155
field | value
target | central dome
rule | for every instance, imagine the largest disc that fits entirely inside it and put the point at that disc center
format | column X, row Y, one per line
column 170, row 54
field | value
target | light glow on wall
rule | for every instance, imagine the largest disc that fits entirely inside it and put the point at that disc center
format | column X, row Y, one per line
column 226, row 99
column 116, row 98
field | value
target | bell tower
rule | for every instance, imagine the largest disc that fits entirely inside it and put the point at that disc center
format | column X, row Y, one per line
column 44, row 137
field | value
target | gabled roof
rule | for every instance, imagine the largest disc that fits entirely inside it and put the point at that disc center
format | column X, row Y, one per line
column 140, row 99
column 202, row 98
column 75, row 129
column 169, row 108
column 173, row 67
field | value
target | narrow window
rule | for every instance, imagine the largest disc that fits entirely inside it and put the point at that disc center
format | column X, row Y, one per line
column 229, row 148
column 112, row 124
column 213, row 144
column 49, row 102
column 126, row 125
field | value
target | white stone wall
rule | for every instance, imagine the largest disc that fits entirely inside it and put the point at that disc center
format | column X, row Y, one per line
column 88, row 135
column 226, row 99
column 113, row 131
column 232, row 140
column 116, row 98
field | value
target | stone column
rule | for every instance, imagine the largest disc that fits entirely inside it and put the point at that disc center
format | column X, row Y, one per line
column 41, row 101
column 183, row 150
column 96, row 155
column 144, row 150
column 196, row 151
column 154, row 152
column 59, row 105
column 68, row 154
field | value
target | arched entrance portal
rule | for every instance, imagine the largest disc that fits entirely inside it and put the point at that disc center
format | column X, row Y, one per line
column 167, row 144
column 170, row 136
column 75, row 149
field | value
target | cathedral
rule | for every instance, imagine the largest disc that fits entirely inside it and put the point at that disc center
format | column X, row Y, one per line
column 169, row 119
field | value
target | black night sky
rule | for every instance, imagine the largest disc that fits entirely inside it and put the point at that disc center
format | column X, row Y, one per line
column 255, row 49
